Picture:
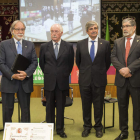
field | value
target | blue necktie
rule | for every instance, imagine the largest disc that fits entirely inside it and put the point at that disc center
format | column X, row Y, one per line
column 92, row 51
column 56, row 50
column 19, row 48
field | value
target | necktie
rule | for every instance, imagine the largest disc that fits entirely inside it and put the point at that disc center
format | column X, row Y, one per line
column 56, row 50
column 127, row 49
column 19, row 48
column 92, row 51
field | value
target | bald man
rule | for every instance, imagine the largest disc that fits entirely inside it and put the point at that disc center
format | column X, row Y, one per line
column 56, row 61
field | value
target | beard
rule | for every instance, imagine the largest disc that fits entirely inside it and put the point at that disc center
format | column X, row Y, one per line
column 17, row 36
column 126, row 33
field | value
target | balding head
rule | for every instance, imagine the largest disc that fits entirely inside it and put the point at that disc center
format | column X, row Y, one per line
column 56, row 32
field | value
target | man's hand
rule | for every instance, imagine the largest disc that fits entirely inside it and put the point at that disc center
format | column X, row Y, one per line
column 128, row 75
column 125, row 72
column 20, row 76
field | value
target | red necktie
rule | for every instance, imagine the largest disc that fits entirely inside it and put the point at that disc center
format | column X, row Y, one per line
column 127, row 49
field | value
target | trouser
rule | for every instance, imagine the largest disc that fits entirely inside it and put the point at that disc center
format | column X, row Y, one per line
column 8, row 105
column 95, row 95
column 123, row 102
column 55, row 98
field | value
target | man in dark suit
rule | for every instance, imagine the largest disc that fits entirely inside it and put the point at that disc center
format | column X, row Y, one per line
column 126, row 59
column 21, row 82
column 56, row 61
column 93, row 61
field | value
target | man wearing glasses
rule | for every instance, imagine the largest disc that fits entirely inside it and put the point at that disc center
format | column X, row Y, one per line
column 21, row 82
column 126, row 59
column 93, row 61
column 56, row 61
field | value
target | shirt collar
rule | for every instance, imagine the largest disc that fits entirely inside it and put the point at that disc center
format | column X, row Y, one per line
column 96, row 39
column 57, row 42
column 17, row 41
column 131, row 36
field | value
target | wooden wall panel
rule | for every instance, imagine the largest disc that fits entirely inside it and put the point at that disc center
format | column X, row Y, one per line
column 37, row 88
column 112, row 89
column 37, row 48
column 37, row 91
column 76, row 91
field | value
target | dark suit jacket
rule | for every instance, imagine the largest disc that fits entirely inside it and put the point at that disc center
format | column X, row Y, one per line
column 97, row 69
column 8, row 53
column 56, row 70
column 133, row 61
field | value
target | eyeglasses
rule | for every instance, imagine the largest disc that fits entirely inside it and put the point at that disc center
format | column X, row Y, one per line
column 54, row 32
column 126, row 26
column 95, row 28
column 22, row 29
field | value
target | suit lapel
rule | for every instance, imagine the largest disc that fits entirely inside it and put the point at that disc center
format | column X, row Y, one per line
column 24, row 47
column 13, row 46
column 134, row 44
column 99, row 48
column 61, row 49
column 86, row 49
column 122, row 46
column 51, row 49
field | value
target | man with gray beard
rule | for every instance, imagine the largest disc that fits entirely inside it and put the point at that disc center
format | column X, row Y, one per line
column 93, row 61
column 56, row 61
column 125, row 58
column 21, row 82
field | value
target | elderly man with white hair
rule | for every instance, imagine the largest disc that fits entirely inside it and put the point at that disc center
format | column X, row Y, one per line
column 56, row 61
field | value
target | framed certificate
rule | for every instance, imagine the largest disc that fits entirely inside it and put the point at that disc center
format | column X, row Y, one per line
column 28, row 131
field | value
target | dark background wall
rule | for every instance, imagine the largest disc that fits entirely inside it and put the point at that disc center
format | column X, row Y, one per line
column 115, row 9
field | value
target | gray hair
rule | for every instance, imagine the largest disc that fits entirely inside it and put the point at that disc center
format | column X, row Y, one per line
column 14, row 23
column 130, row 20
column 61, row 28
column 90, row 23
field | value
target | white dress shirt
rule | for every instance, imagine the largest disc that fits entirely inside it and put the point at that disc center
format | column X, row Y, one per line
column 57, row 45
column 95, row 45
column 131, row 40
column 17, row 41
